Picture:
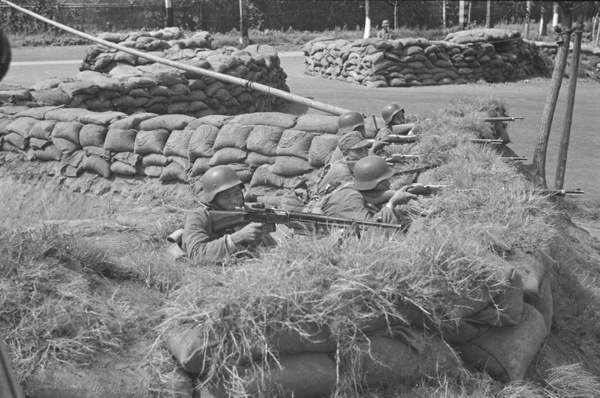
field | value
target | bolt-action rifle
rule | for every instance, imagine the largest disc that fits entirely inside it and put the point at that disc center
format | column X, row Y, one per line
column 502, row 119
column 558, row 192
column 400, row 139
column 513, row 158
column 399, row 158
column 224, row 219
column 380, row 197
column 491, row 141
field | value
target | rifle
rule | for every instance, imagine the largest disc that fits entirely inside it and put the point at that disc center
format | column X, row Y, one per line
column 9, row 387
column 514, row 158
column 400, row 139
column 424, row 190
column 399, row 158
column 558, row 192
column 416, row 170
column 224, row 219
column 491, row 141
column 402, row 129
column 502, row 119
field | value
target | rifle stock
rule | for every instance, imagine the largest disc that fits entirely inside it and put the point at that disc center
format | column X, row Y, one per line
column 400, row 139
column 425, row 190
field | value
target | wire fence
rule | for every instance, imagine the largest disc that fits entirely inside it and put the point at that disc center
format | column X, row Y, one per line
column 302, row 15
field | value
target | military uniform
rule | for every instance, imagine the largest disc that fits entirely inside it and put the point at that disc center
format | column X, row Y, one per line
column 348, row 202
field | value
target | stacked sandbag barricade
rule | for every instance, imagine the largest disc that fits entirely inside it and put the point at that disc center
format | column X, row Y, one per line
column 274, row 150
column 496, row 332
column 492, row 55
column 112, row 80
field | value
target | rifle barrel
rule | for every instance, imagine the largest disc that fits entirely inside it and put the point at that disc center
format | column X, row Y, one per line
column 502, row 119
column 492, row 141
column 327, row 220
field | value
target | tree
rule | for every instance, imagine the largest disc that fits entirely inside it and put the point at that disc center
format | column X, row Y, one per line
column 394, row 3
column 367, row 33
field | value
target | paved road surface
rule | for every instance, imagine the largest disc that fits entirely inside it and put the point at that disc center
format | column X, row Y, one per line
column 524, row 99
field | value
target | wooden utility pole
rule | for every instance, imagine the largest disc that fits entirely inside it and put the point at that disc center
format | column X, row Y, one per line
column 555, row 14
column 461, row 14
column 168, row 13
column 566, row 133
column 367, row 33
column 528, row 17
column 564, row 38
column 488, row 15
column 244, row 39
column 394, row 4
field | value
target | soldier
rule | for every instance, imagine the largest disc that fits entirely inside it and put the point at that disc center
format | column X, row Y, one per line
column 393, row 115
column 352, row 121
column 370, row 174
column 385, row 33
column 353, row 147
column 203, row 241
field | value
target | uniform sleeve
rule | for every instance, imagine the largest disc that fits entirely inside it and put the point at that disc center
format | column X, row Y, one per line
column 199, row 245
column 336, row 176
column 349, row 203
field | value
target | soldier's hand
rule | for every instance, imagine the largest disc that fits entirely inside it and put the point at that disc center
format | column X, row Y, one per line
column 250, row 233
column 378, row 145
column 401, row 197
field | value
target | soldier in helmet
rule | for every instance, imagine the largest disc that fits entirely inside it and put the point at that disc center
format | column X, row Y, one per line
column 393, row 115
column 203, row 241
column 371, row 173
column 385, row 33
column 352, row 121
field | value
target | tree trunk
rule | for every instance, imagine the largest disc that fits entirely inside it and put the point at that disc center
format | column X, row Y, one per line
column 444, row 20
column 469, row 14
column 367, row 33
column 539, row 155
column 168, row 13
column 488, row 15
column 461, row 14
column 244, row 39
column 528, row 18
column 396, row 15
column 555, row 15
column 566, row 133
column 543, row 23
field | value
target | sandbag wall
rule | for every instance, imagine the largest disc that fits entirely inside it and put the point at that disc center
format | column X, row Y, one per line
column 113, row 80
column 276, row 150
column 420, row 62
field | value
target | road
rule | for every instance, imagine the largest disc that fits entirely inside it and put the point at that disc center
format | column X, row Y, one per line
column 525, row 98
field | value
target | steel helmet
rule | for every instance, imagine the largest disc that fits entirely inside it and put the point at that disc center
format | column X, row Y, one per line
column 370, row 171
column 349, row 121
column 389, row 111
column 219, row 179
column 385, row 23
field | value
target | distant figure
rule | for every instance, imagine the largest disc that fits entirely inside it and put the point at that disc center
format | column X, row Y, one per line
column 385, row 33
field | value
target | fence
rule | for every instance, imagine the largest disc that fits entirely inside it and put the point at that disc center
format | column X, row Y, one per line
column 223, row 15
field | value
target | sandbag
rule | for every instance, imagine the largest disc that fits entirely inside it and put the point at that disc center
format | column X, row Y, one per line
column 243, row 171
column 275, row 119
column 120, row 140
column 173, row 172
column 202, row 142
column 97, row 165
column 129, row 158
column 256, row 159
column 67, row 130
column 133, row 121
column 312, row 339
column 36, row 113
column 152, row 141
column 48, row 153
column 263, row 176
column 22, row 126
column 5, row 122
column 227, row 156
column 151, row 171
column 66, row 147
column 201, row 166
column 294, row 143
column 303, row 375
column 290, row 166
column 317, row 123
column 177, row 144
column 43, row 129
column 79, row 87
column 101, row 118
column 92, row 135
column 264, row 139
column 389, row 361
column 183, row 162
column 51, row 97
column 232, row 135
column 97, row 151
column 155, row 159
column 167, row 122
column 505, row 353
column 123, row 169
column 66, row 114
column 17, row 140
column 321, row 148
column 38, row 143
column 214, row 120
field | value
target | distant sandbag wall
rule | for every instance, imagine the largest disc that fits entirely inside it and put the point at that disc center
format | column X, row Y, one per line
column 113, row 80
column 420, row 62
column 272, row 149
